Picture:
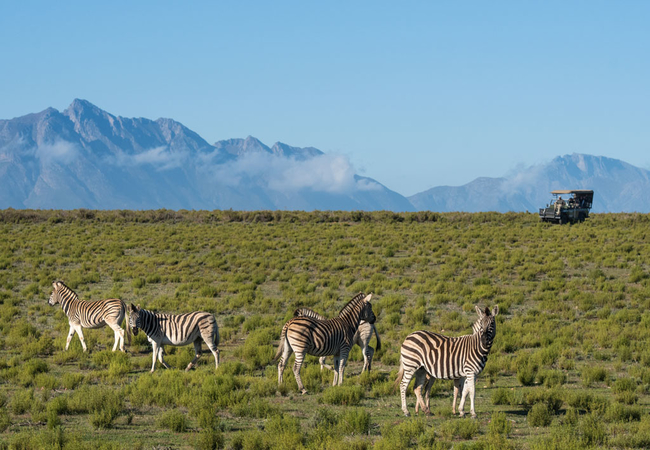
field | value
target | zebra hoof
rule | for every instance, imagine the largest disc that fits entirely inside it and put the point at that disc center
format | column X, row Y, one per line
column 407, row 414
column 304, row 391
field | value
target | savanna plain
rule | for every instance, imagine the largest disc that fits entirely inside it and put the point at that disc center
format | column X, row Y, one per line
column 569, row 368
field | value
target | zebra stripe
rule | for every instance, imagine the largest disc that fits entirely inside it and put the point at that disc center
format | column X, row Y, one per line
column 361, row 338
column 177, row 330
column 97, row 314
column 427, row 356
column 306, row 335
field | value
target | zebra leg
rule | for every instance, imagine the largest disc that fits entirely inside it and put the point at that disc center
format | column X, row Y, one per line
column 161, row 352
column 286, row 353
column 154, row 352
column 215, row 351
column 342, row 362
column 197, row 354
column 364, row 351
column 427, row 390
column 472, row 392
column 369, row 354
column 418, row 387
column 119, row 336
column 406, row 379
column 70, row 334
column 335, row 369
column 296, row 371
column 458, row 386
column 468, row 388
column 81, row 337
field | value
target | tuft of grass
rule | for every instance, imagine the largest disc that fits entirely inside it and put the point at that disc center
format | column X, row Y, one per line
column 342, row 395
column 173, row 420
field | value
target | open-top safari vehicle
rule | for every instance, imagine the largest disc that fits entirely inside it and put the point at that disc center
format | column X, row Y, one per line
column 573, row 209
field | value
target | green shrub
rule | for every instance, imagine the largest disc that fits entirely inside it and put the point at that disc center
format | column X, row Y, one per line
column 209, row 439
column 173, row 420
column 402, row 435
column 355, row 420
column 22, row 401
column 499, row 424
column 539, row 415
column 5, row 420
column 592, row 431
column 526, row 374
column 503, row 396
column 591, row 375
column 460, row 429
column 551, row 378
column 342, row 395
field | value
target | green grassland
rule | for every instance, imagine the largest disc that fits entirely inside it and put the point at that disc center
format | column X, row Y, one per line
column 570, row 366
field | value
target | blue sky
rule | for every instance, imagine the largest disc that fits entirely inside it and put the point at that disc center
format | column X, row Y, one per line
column 416, row 94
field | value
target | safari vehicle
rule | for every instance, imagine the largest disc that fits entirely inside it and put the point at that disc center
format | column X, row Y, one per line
column 573, row 209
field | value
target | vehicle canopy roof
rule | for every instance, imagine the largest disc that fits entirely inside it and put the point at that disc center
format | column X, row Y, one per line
column 572, row 191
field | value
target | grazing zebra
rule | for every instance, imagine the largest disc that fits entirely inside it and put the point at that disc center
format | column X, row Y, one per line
column 361, row 338
column 176, row 329
column 306, row 335
column 425, row 354
column 97, row 314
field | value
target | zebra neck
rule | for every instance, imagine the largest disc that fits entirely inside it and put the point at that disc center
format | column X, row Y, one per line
column 68, row 304
column 148, row 321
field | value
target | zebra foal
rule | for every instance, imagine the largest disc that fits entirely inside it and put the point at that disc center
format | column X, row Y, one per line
column 177, row 330
column 361, row 338
column 97, row 314
column 427, row 356
column 306, row 335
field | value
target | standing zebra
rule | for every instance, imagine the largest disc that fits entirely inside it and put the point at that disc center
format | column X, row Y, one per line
column 306, row 335
column 361, row 338
column 97, row 314
column 177, row 330
column 425, row 354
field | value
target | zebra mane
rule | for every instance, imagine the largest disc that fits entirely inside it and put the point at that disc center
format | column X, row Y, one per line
column 307, row 312
column 65, row 288
column 352, row 303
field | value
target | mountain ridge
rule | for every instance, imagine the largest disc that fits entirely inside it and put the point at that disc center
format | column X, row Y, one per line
column 85, row 157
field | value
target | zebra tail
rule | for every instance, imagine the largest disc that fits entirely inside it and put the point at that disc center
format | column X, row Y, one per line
column 217, row 337
column 400, row 375
column 378, row 340
column 283, row 336
column 129, row 331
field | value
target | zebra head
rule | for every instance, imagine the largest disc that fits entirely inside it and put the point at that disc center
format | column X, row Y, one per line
column 486, row 325
column 134, row 319
column 367, row 314
column 55, row 297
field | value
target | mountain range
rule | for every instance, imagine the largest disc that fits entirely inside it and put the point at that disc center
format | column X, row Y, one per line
column 84, row 157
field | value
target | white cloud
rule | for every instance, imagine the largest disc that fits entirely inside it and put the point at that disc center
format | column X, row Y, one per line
column 62, row 152
column 159, row 157
column 322, row 173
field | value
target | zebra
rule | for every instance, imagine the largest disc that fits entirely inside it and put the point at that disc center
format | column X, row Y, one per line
column 177, row 330
column 427, row 356
column 306, row 335
column 458, row 383
column 361, row 338
column 97, row 314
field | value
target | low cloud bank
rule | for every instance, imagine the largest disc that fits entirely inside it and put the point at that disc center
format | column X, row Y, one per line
column 322, row 173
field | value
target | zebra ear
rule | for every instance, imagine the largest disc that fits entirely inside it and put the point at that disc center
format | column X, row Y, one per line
column 479, row 311
column 133, row 308
column 55, row 284
column 495, row 310
column 367, row 299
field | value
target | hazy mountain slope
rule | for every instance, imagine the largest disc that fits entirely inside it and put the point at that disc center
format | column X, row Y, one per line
column 87, row 157
column 618, row 187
